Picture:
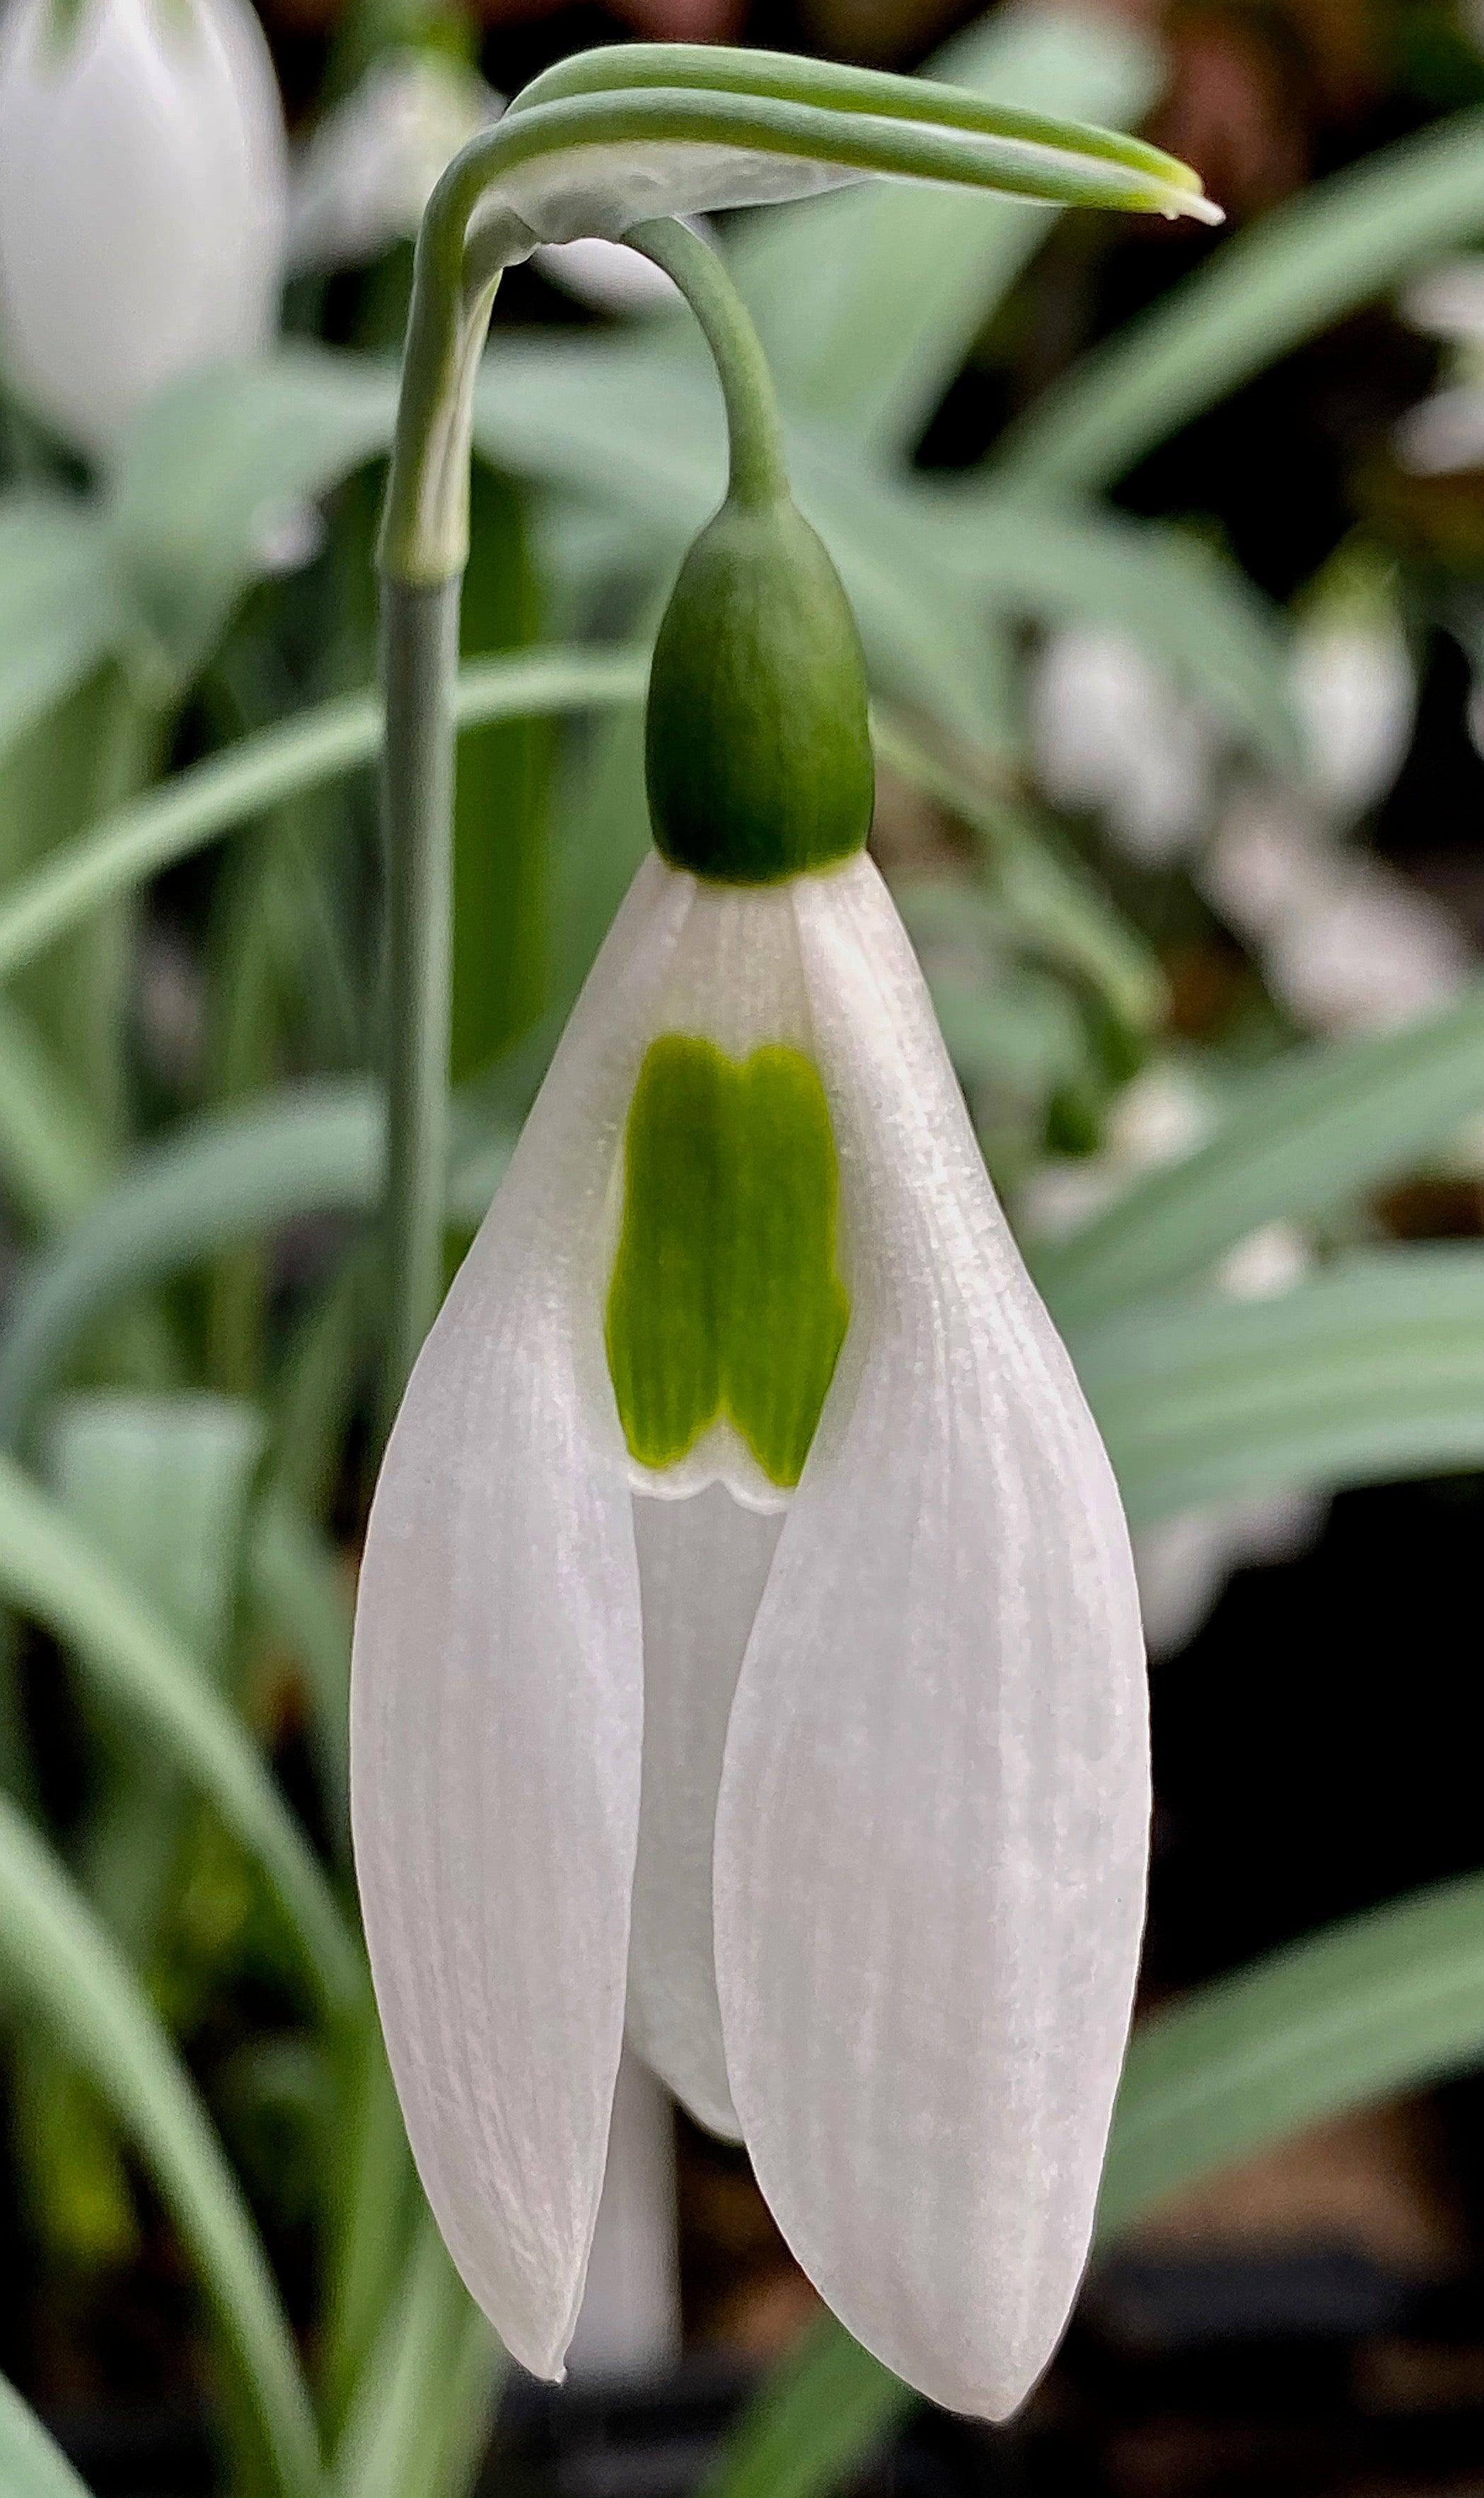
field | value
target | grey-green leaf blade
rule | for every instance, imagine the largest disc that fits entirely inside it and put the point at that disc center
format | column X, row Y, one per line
column 60, row 1964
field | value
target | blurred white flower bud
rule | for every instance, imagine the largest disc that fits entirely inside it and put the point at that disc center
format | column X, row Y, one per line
column 1112, row 733
column 1345, row 943
column 142, row 201
column 364, row 178
column 1355, row 693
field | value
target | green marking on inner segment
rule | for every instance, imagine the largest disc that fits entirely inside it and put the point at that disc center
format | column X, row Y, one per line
column 725, row 1297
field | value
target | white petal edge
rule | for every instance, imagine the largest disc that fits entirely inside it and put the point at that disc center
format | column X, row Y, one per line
column 703, row 1564
column 497, row 1693
column 932, row 1823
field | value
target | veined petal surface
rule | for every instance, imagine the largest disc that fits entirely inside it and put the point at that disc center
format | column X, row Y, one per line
column 703, row 1564
column 497, row 1698
column 932, row 1822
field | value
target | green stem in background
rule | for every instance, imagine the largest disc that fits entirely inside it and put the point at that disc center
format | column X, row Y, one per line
column 759, row 469
column 420, row 657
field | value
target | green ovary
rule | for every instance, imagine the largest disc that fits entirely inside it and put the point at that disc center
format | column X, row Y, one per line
column 725, row 1299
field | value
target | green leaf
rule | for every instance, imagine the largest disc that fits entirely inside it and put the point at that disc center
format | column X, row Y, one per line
column 1045, row 893
column 49, row 1570
column 32, row 2465
column 1341, row 244
column 1374, row 1372
column 61, row 611
column 813, row 2424
column 1383, row 2003
column 220, row 461
column 198, row 804
column 52, row 1155
column 216, row 1182
column 59, row 1962
column 1198, row 615
column 1323, row 1124
column 393, row 2439
column 300, row 1588
column 869, row 301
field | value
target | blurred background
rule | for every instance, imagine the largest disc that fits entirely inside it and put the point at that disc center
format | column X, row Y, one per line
column 1168, row 548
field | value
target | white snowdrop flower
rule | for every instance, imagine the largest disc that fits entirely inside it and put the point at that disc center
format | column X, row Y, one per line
column 747, row 1652
column 367, row 171
column 141, row 200
column 1355, row 694
column 1112, row 733
column 1345, row 943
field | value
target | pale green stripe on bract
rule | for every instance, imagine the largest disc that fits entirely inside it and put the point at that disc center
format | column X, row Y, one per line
column 726, row 1302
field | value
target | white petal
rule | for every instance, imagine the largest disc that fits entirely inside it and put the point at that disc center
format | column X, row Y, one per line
column 703, row 1564
column 933, row 1821
column 497, row 1693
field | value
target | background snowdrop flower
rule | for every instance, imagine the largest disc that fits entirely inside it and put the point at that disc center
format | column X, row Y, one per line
column 1345, row 945
column 1355, row 694
column 748, row 1651
column 142, row 201
column 1112, row 733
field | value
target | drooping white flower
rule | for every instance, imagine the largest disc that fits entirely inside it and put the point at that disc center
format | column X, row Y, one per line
column 749, row 1655
column 141, row 200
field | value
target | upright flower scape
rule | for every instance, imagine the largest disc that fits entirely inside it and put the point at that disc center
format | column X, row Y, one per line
column 749, row 1651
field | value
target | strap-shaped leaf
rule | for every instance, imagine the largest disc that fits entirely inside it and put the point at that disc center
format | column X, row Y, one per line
column 197, row 806
column 218, row 462
column 1341, row 245
column 218, row 1181
column 61, row 611
column 57, row 1962
column 1370, row 1372
column 1382, row 2003
column 1325, row 1123
column 49, row 1570
column 32, row 2464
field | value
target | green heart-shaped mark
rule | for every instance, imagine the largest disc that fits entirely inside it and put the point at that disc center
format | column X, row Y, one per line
column 725, row 1297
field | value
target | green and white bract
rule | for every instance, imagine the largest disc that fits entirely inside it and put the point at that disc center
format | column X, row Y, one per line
column 834, row 1793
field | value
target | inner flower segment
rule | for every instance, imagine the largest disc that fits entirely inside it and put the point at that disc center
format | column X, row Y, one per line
column 726, row 1303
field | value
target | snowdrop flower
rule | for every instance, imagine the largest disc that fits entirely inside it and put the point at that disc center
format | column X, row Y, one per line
column 141, row 200
column 1345, row 943
column 1356, row 695
column 368, row 171
column 1111, row 733
column 747, row 1654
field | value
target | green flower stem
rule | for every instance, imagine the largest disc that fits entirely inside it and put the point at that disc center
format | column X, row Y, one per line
column 759, row 469
column 419, row 659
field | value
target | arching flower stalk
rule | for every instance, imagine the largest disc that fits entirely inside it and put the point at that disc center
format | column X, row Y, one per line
column 747, row 1650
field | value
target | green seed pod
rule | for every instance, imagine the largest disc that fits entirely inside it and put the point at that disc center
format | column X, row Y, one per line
column 757, row 746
